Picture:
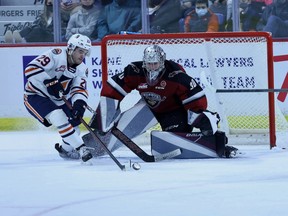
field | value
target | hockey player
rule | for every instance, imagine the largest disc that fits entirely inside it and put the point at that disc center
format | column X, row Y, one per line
column 57, row 73
column 176, row 100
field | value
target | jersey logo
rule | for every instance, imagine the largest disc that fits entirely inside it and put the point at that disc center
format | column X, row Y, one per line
column 162, row 85
column 153, row 100
column 193, row 84
column 62, row 68
column 143, row 86
column 135, row 68
column 56, row 51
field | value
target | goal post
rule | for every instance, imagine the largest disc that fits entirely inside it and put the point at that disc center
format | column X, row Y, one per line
column 229, row 60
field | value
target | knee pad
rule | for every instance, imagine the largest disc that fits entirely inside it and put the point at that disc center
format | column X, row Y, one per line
column 206, row 121
column 57, row 118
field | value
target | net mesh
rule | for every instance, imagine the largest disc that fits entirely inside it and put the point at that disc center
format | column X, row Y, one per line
column 239, row 62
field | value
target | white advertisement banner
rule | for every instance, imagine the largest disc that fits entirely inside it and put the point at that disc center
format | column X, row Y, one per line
column 14, row 59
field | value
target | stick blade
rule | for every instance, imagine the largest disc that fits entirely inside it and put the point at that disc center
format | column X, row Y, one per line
column 168, row 155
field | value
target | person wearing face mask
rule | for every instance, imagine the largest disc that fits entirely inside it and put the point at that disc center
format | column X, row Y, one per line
column 275, row 19
column 201, row 19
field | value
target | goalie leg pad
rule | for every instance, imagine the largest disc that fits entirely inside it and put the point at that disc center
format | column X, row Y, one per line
column 106, row 114
column 194, row 145
column 133, row 122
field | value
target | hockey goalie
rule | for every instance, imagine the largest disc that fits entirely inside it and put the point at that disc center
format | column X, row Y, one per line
column 170, row 97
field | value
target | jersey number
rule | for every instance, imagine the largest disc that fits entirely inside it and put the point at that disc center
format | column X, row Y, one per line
column 44, row 60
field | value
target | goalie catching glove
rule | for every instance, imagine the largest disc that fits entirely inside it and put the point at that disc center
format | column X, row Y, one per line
column 206, row 121
column 54, row 87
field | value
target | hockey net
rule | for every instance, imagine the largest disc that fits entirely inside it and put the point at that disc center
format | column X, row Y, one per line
column 227, row 61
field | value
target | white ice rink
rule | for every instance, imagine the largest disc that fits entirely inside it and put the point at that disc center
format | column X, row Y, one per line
column 35, row 181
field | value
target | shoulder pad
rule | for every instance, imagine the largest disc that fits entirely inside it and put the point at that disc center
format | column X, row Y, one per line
column 174, row 73
column 135, row 67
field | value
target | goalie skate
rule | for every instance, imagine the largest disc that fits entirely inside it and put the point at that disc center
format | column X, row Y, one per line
column 231, row 152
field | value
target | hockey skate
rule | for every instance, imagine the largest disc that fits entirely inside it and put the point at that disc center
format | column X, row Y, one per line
column 67, row 155
column 85, row 152
column 230, row 152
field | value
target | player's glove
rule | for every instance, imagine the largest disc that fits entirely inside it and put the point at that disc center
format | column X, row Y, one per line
column 54, row 87
column 78, row 109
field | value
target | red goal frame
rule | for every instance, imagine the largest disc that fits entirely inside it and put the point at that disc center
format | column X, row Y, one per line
column 206, row 36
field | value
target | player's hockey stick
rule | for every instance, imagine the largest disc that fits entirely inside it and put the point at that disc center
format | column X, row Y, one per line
column 122, row 167
column 249, row 90
column 140, row 152
column 136, row 149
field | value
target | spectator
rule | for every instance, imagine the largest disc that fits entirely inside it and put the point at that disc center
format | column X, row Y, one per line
column 220, row 7
column 41, row 29
column 105, row 2
column 119, row 16
column 187, row 6
column 84, row 21
column 164, row 16
column 275, row 19
column 68, row 7
column 229, row 21
column 251, row 15
column 201, row 19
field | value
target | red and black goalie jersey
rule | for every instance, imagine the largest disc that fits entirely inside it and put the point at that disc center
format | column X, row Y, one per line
column 175, row 89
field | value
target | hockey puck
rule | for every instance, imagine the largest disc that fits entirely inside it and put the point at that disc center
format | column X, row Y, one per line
column 136, row 166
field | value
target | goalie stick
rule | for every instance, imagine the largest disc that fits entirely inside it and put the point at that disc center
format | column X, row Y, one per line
column 122, row 167
column 140, row 152
column 136, row 149
column 205, row 82
column 249, row 90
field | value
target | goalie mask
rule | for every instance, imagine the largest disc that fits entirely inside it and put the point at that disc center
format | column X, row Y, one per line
column 78, row 40
column 153, row 61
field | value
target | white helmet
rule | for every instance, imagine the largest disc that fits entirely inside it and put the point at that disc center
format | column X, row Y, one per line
column 154, row 54
column 78, row 40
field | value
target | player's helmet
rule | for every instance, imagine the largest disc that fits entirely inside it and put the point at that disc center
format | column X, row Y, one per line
column 78, row 40
column 153, row 61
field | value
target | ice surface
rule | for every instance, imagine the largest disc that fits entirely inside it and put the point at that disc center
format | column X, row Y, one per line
column 35, row 181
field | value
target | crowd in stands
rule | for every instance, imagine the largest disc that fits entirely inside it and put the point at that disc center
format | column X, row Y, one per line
column 98, row 18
